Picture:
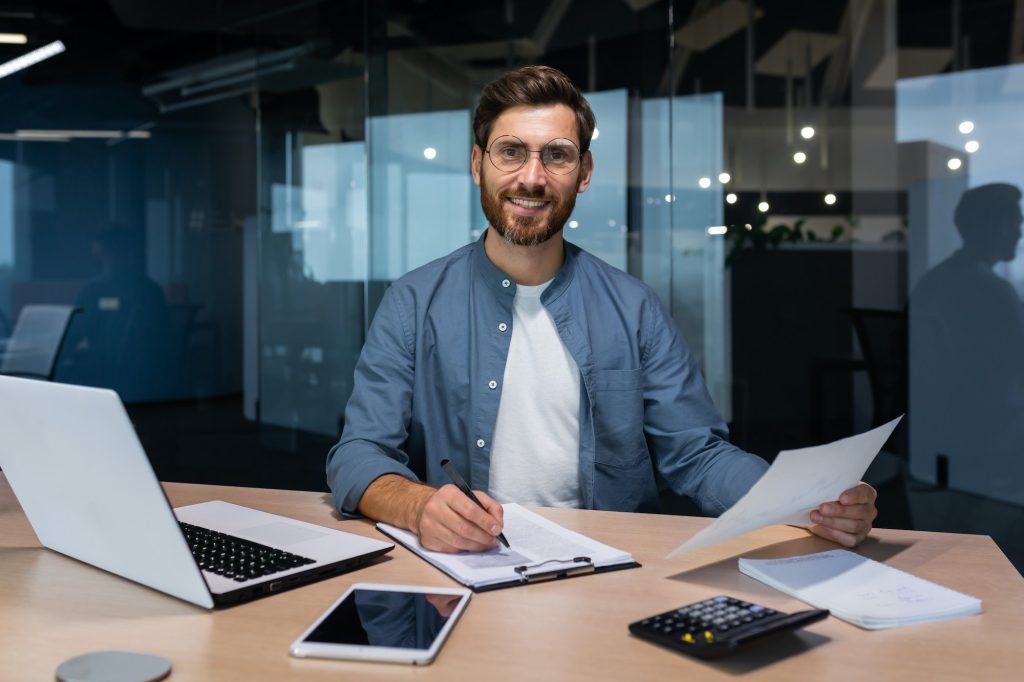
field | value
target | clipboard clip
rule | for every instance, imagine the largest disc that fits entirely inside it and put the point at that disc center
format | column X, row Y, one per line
column 581, row 565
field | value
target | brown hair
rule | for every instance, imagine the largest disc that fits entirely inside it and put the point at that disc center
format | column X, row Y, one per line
column 532, row 86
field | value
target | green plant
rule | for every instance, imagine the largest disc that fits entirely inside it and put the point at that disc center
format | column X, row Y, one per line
column 755, row 237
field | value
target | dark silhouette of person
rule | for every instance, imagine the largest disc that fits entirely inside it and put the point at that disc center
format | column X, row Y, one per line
column 121, row 330
column 967, row 351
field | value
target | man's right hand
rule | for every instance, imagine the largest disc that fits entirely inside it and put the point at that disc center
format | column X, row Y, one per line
column 451, row 522
column 445, row 519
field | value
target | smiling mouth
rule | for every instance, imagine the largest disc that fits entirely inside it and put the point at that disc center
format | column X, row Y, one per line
column 527, row 203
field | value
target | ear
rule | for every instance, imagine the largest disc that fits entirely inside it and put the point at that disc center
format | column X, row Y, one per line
column 475, row 159
column 586, row 172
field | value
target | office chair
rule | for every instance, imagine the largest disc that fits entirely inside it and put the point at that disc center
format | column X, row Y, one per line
column 882, row 336
column 883, row 339
column 36, row 341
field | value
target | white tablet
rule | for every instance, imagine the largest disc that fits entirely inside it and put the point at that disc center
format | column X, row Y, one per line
column 388, row 623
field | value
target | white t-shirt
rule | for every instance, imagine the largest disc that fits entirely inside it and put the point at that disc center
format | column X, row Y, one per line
column 536, row 443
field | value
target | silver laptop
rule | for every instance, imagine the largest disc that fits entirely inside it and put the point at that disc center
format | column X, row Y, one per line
column 76, row 466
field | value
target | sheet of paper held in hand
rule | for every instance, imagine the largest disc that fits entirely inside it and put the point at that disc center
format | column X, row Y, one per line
column 534, row 539
column 797, row 482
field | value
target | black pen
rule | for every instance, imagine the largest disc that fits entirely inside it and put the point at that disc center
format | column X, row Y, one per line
column 461, row 484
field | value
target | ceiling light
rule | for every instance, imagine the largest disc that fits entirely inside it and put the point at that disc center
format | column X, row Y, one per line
column 668, row 198
column 731, row 198
column 724, row 177
column 799, row 157
column 966, row 127
column 597, row 134
column 971, row 146
column 807, row 132
column 13, row 38
column 34, row 57
column 11, row 137
column 704, row 182
column 763, row 207
column 83, row 134
column 429, row 153
column 573, row 224
column 830, row 199
column 717, row 229
column 954, row 163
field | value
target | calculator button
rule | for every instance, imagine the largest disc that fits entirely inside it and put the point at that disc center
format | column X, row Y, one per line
column 688, row 638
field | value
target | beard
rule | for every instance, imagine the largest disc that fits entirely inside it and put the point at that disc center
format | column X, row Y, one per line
column 525, row 230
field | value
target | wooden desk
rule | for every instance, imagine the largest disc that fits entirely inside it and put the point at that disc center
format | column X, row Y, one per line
column 53, row 608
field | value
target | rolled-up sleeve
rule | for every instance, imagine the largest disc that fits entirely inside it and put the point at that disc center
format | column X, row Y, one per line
column 378, row 412
column 685, row 434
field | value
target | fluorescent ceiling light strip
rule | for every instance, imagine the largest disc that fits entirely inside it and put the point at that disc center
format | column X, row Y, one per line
column 34, row 57
column 9, row 137
column 13, row 38
column 88, row 134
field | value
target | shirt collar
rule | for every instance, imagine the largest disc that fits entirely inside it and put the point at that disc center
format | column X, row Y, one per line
column 504, row 285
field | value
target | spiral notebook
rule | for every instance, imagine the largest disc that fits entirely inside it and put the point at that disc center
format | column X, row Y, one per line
column 859, row 590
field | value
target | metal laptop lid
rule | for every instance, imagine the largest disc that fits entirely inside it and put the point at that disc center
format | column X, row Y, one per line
column 77, row 468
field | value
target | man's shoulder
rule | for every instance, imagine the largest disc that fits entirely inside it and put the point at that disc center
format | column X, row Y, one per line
column 429, row 274
column 590, row 267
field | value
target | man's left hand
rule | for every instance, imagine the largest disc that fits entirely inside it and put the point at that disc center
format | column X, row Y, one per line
column 848, row 519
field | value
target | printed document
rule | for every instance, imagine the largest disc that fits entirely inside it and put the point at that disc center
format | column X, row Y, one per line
column 859, row 590
column 537, row 543
column 797, row 482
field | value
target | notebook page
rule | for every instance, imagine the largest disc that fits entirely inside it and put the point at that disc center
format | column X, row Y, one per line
column 859, row 589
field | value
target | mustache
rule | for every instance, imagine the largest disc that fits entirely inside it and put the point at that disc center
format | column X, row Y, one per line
column 525, row 193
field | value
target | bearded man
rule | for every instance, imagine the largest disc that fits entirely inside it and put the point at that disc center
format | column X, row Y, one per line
column 546, row 375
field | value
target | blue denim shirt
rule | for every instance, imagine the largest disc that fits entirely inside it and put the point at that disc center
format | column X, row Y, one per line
column 442, row 332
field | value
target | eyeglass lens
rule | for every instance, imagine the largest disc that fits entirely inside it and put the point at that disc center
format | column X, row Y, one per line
column 509, row 153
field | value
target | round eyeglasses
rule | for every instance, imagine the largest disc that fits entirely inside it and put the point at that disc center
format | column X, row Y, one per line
column 559, row 156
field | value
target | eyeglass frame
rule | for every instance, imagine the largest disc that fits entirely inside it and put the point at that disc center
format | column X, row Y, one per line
column 579, row 155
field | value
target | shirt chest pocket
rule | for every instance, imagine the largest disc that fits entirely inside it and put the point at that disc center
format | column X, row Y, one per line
column 618, row 417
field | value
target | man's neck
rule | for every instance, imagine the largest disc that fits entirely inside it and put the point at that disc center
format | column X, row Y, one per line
column 979, row 255
column 527, row 265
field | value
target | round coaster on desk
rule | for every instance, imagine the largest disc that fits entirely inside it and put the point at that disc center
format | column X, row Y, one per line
column 114, row 666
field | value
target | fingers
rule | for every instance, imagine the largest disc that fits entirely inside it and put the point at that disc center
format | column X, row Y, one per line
column 861, row 493
column 493, row 508
column 832, row 510
column 848, row 525
column 841, row 537
column 451, row 522
column 848, row 520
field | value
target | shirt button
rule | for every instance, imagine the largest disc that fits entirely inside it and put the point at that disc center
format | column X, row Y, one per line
column 502, row 327
column 505, row 283
column 492, row 384
column 479, row 442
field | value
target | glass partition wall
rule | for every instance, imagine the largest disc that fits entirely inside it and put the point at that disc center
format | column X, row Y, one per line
column 200, row 208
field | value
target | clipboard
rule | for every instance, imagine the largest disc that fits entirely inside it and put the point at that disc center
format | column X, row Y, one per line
column 600, row 558
column 530, row 576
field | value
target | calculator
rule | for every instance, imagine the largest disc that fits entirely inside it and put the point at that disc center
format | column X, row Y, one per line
column 719, row 625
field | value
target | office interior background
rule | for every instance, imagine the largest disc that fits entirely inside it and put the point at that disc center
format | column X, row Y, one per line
column 201, row 204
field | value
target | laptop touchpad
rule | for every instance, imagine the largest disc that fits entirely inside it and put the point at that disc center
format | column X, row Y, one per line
column 280, row 533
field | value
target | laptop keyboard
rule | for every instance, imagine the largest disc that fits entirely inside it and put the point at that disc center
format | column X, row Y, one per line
column 235, row 558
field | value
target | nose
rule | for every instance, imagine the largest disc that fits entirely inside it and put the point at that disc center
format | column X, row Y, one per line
column 532, row 174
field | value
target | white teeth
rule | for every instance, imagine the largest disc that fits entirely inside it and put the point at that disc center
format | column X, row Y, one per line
column 525, row 203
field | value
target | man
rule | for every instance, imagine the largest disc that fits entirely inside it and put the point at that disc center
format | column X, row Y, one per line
column 546, row 375
column 967, row 359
